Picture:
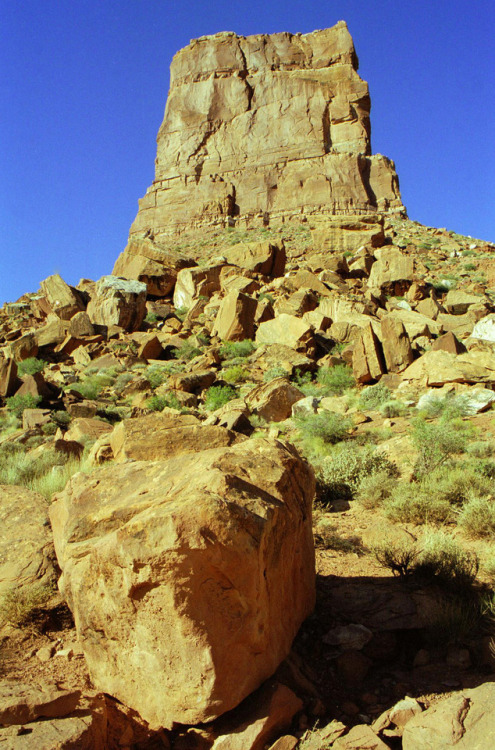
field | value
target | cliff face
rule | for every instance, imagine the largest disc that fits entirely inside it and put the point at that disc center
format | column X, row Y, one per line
column 261, row 128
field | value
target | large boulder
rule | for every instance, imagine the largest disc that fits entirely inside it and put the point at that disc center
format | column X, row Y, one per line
column 235, row 317
column 267, row 258
column 118, row 302
column 62, row 299
column 188, row 578
column 158, row 436
column 285, row 329
column 155, row 266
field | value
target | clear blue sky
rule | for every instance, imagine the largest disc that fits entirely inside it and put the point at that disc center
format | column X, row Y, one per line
column 83, row 85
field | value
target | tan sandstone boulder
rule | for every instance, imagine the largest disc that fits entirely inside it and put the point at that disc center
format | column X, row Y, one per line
column 188, row 578
column 159, row 436
column 62, row 299
column 235, row 317
column 118, row 302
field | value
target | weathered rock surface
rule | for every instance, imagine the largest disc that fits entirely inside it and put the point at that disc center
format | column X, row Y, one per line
column 26, row 546
column 158, row 436
column 118, row 302
column 463, row 721
column 188, row 578
column 219, row 158
column 62, row 299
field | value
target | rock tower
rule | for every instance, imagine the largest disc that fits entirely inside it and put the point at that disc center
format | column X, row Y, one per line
column 265, row 128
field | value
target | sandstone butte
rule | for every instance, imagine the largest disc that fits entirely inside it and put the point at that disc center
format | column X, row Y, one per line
column 265, row 128
column 188, row 561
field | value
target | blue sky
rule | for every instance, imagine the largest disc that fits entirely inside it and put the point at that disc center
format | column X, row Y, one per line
column 83, row 85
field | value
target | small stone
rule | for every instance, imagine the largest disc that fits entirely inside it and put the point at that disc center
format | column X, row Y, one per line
column 45, row 653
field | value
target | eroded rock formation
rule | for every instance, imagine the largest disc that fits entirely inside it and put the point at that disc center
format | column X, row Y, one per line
column 265, row 127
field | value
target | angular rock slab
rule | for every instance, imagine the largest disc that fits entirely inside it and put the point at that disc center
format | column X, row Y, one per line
column 464, row 721
column 188, row 578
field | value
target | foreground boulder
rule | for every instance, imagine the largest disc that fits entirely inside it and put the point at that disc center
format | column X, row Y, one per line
column 188, row 578
column 118, row 302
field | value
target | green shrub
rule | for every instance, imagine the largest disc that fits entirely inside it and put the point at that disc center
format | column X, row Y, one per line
column 16, row 404
column 30, row 366
column 156, row 374
column 275, row 372
column 329, row 536
column 477, row 517
column 181, row 312
column 188, row 350
column 235, row 374
column 398, row 556
column 375, row 489
column 448, row 407
column 219, row 395
column 20, row 605
column 336, row 379
column 158, row 403
column 93, row 384
column 45, row 473
column 409, row 503
column 453, row 620
column 444, row 561
column 235, row 349
column 394, row 408
column 317, row 431
column 481, row 449
column 341, row 472
column 374, row 396
column 437, row 441
column 151, row 318
column 61, row 418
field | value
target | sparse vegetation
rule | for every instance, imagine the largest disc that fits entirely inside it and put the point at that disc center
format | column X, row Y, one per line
column 16, row 404
column 20, row 605
column 218, row 395
column 30, row 366
column 336, row 380
column 236, row 349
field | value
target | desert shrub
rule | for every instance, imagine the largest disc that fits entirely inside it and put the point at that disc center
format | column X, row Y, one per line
column 16, row 404
column 181, row 312
column 453, row 620
column 374, row 396
column 438, row 441
column 151, row 317
column 394, row 408
column 158, row 403
column 340, row 473
column 93, row 384
column 122, row 380
column 266, row 295
column 61, row 418
column 442, row 560
column 447, row 406
column 477, row 517
column 336, row 379
column 30, row 366
column 9, row 423
column 235, row 374
column 188, row 350
column 45, row 473
column 456, row 482
column 218, row 395
column 481, row 449
column 19, row 605
column 410, row 503
column 374, row 489
column 328, row 536
column 237, row 349
column 398, row 556
column 275, row 372
column 156, row 375
column 318, row 431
